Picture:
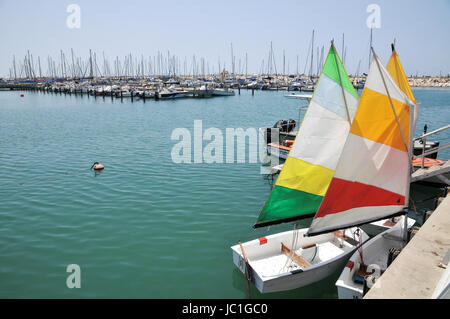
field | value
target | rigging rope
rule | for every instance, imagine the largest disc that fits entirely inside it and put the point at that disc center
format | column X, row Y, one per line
column 289, row 261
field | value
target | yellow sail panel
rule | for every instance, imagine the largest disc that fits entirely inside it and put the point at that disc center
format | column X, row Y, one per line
column 395, row 69
column 375, row 119
column 304, row 176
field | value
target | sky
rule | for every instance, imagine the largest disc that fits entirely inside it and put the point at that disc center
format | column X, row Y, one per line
column 207, row 29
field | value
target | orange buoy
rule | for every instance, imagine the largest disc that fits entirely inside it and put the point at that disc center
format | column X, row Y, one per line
column 97, row 166
column 21, row 95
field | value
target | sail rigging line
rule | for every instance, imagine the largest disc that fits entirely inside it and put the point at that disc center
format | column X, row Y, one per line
column 360, row 250
column 350, row 225
column 289, row 258
column 414, row 206
column 247, row 271
column 342, row 84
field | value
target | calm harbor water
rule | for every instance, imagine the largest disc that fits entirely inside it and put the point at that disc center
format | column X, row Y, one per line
column 144, row 227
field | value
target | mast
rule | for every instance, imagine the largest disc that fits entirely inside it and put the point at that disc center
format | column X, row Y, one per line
column 273, row 58
column 91, row 70
column 39, row 64
column 29, row 67
column 342, row 85
column 318, row 62
column 396, row 71
column 312, row 55
column 410, row 154
column 62, row 64
column 73, row 63
column 357, row 69
column 232, row 59
column 370, row 47
column 321, row 58
column 14, row 64
column 246, row 64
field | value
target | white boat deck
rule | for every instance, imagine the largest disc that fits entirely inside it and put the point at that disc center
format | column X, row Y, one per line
column 299, row 96
column 279, row 264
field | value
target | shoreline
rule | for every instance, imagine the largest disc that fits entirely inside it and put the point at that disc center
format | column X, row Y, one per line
column 233, row 80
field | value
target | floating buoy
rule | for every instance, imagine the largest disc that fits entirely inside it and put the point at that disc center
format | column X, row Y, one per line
column 97, row 166
column 21, row 95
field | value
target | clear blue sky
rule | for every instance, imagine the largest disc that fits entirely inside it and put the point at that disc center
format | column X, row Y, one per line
column 207, row 28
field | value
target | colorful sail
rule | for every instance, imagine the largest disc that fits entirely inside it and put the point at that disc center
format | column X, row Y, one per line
column 310, row 165
column 371, row 179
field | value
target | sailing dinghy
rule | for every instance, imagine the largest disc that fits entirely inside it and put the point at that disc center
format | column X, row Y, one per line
column 376, row 254
column 371, row 259
column 290, row 260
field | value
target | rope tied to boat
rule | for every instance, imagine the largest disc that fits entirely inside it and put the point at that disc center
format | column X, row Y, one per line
column 246, row 271
column 289, row 260
column 358, row 238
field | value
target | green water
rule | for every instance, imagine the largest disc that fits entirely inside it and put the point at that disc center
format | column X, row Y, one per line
column 144, row 227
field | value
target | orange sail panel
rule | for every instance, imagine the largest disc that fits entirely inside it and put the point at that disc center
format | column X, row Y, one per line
column 395, row 69
column 371, row 178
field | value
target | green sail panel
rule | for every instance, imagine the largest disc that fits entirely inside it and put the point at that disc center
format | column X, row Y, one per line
column 330, row 69
column 287, row 204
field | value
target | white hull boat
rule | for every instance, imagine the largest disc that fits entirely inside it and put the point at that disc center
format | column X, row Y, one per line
column 149, row 94
column 375, row 252
column 222, row 92
column 309, row 88
column 123, row 94
column 380, row 226
column 277, row 150
column 275, row 264
column 299, row 96
column 172, row 94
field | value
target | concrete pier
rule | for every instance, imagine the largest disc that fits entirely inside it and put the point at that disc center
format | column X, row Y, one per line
column 422, row 270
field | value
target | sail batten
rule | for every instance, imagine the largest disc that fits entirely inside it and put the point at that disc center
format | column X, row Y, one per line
column 371, row 178
column 310, row 165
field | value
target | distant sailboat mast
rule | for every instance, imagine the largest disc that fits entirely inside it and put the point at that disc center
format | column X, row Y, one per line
column 312, row 55
column 370, row 47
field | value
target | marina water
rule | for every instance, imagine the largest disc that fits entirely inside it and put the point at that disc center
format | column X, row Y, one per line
column 145, row 227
